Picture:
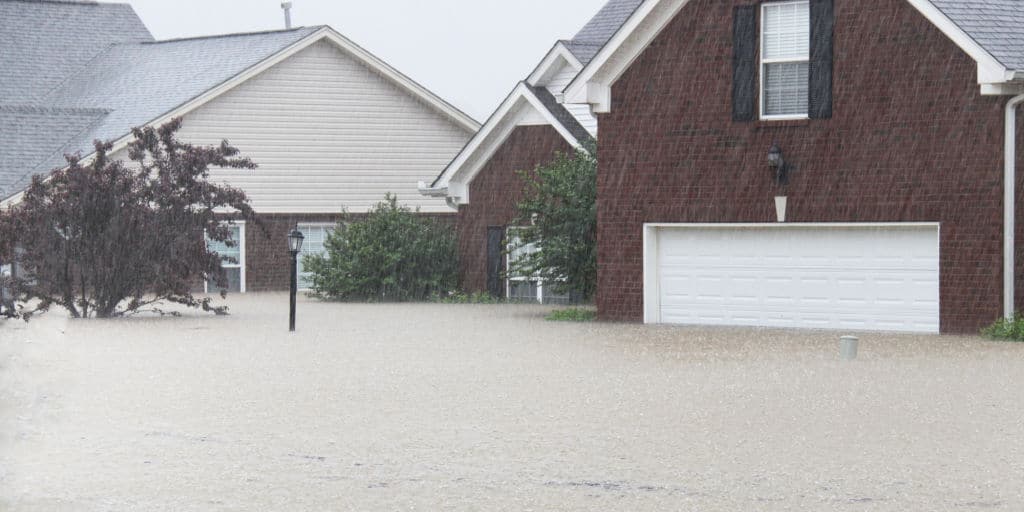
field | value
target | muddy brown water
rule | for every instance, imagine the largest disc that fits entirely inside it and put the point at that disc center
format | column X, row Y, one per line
column 463, row 407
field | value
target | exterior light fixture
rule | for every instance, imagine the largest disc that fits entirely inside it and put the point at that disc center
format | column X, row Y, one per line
column 778, row 164
column 295, row 239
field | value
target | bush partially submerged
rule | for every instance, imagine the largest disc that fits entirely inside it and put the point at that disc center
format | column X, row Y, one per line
column 1006, row 329
column 558, row 216
column 393, row 254
column 469, row 298
column 572, row 315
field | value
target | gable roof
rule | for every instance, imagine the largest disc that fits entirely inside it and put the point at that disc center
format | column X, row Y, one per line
column 990, row 31
column 586, row 43
column 562, row 116
column 525, row 102
column 146, row 82
column 532, row 102
column 45, row 41
column 35, row 134
column 997, row 25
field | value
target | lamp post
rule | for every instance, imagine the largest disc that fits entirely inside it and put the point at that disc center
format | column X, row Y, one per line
column 295, row 239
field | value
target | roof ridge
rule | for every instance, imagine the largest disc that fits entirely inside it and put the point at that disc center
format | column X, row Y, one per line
column 233, row 34
column 43, row 109
column 94, row 3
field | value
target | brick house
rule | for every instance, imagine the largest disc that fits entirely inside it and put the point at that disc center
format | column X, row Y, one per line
column 527, row 130
column 332, row 127
column 895, row 128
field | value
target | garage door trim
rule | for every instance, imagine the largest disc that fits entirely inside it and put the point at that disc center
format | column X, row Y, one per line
column 652, row 279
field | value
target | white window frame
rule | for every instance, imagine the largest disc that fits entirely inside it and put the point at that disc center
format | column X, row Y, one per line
column 761, row 66
column 508, row 267
column 300, row 226
column 241, row 257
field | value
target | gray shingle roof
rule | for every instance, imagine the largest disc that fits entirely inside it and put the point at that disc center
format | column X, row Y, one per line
column 585, row 52
column 997, row 25
column 143, row 81
column 564, row 117
column 32, row 135
column 81, row 71
column 586, row 43
column 46, row 41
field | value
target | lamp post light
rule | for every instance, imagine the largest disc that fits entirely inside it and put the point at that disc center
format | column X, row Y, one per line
column 295, row 239
column 778, row 164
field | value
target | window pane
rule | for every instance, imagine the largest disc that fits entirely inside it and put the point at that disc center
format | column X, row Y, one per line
column 550, row 297
column 787, row 31
column 522, row 291
column 314, row 244
column 234, row 281
column 516, row 251
column 222, row 249
column 785, row 89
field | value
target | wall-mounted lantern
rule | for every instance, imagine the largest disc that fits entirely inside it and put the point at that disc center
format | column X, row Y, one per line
column 778, row 164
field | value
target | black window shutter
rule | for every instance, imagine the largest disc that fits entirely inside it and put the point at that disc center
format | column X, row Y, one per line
column 820, row 73
column 744, row 63
column 496, row 260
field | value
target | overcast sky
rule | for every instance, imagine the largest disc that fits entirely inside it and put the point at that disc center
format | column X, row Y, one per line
column 470, row 52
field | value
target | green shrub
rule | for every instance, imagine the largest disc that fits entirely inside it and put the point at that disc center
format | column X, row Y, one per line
column 393, row 254
column 558, row 216
column 468, row 298
column 572, row 315
column 1006, row 329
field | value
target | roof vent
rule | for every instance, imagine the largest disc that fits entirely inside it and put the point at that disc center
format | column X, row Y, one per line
column 287, row 6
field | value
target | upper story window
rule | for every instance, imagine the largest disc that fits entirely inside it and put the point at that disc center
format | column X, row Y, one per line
column 785, row 59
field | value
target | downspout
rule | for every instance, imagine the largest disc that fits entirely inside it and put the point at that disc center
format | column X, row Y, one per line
column 1009, row 206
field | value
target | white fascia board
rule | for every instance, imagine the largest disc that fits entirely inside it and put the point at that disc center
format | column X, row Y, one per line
column 990, row 70
column 542, row 73
column 593, row 84
column 466, row 122
column 519, row 109
column 1002, row 89
column 479, row 138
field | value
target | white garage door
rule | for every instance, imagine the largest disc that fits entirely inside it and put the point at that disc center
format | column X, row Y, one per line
column 856, row 277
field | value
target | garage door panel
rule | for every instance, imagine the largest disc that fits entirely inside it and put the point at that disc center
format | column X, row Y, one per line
column 876, row 277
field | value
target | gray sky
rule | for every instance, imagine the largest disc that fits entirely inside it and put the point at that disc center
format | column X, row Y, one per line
column 470, row 52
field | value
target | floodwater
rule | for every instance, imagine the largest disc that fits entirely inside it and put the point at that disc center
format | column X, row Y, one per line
column 450, row 407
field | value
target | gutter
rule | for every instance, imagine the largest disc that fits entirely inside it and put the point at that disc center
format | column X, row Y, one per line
column 1009, row 206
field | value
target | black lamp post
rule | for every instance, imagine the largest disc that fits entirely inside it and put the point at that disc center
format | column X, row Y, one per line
column 295, row 239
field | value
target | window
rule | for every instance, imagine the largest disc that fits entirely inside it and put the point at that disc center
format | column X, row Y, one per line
column 785, row 59
column 528, row 288
column 236, row 268
column 314, row 244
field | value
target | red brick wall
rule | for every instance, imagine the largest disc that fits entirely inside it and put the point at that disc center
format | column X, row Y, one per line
column 494, row 193
column 267, row 261
column 911, row 139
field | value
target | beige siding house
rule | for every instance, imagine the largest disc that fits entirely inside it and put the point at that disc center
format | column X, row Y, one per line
column 332, row 128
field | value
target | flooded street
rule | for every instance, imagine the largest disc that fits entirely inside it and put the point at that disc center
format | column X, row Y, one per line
column 451, row 407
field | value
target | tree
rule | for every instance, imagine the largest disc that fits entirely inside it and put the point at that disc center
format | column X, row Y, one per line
column 108, row 237
column 558, row 215
column 393, row 254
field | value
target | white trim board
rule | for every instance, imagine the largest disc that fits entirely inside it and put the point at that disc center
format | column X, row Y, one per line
column 242, row 262
column 541, row 75
column 520, row 108
column 594, row 83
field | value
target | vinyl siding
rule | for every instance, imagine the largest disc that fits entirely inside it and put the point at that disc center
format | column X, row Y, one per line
column 581, row 112
column 328, row 134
